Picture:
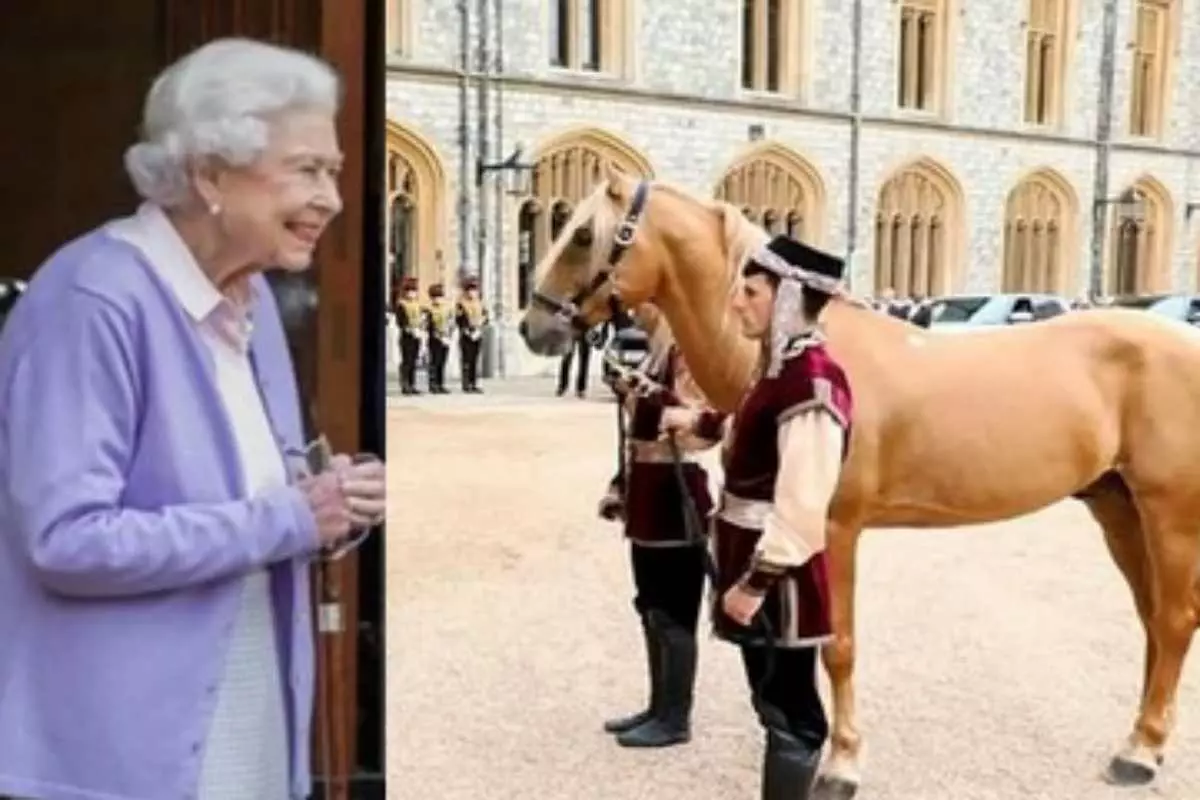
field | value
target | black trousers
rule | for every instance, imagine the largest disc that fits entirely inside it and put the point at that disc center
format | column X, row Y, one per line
column 564, row 369
column 669, row 579
column 438, row 352
column 410, row 351
column 468, row 351
column 790, row 700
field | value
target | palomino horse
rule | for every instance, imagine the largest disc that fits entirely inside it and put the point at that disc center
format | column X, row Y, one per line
column 1100, row 405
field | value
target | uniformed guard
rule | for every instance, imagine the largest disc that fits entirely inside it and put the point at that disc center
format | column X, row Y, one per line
column 782, row 462
column 582, row 346
column 471, row 316
column 667, row 557
column 410, row 316
column 439, row 320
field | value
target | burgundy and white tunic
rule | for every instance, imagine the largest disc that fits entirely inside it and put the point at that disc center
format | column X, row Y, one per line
column 782, row 460
column 654, row 510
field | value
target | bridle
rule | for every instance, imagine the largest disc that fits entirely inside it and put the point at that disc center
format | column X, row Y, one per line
column 571, row 311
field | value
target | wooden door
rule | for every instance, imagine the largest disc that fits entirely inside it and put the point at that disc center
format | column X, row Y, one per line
column 75, row 81
column 73, row 87
column 327, row 343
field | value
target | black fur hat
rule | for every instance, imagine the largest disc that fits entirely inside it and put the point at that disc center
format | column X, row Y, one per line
column 795, row 260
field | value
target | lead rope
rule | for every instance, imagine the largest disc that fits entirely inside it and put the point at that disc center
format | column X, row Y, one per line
column 621, row 447
column 694, row 530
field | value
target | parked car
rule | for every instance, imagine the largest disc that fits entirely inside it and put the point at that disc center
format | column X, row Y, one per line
column 629, row 346
column 1180, row 307
column 959, row 313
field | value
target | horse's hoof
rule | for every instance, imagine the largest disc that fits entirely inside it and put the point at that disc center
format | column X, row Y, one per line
column 1129, row 771
column 830, row 788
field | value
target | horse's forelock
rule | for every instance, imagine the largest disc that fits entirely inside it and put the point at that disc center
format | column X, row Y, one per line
column 595, row 210
column 606, row 217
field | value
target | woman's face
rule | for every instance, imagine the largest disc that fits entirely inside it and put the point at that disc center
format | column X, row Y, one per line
column 273, row 212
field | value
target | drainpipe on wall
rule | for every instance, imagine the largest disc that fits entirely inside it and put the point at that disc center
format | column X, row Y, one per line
column 483, row 154
column 498, row 197
column 1103, row 147
column 855, row 134
column 464, row 143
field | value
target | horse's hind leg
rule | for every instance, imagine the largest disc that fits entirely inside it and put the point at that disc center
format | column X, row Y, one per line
column 1172, row 535
column 1112, row 506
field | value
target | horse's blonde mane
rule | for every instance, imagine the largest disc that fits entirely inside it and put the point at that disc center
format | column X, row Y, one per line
column 740, row 236
column 743, row 237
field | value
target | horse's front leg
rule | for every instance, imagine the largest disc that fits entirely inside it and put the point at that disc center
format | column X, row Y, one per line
column 841, row 776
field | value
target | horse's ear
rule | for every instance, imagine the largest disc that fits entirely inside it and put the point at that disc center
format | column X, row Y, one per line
column 614, row 179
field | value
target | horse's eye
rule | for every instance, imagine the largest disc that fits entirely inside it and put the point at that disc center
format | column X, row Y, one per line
column 582, row 237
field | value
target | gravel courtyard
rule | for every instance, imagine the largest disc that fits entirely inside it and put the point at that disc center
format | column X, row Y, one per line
column 995, row 662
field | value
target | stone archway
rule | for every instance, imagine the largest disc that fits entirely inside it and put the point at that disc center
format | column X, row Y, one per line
column 1040, row 216
column 779, row 189
column 1139, row 256
column 416, row 209
column 918, row 231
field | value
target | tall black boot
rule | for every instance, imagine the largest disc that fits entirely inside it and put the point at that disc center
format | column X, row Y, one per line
column 654, row 671
column 671, row 722
column 789, row 767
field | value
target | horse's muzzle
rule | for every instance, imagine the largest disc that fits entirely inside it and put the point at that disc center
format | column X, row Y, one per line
column 545, row 334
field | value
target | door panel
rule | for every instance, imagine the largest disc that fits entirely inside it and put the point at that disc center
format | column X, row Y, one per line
column 186, row 24
column 73, row 85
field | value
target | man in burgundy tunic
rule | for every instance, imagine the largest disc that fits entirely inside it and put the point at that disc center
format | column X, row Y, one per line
column 782, row 462
column 667, row 558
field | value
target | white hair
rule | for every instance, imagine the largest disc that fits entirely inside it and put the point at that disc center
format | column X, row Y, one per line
column 216, row 101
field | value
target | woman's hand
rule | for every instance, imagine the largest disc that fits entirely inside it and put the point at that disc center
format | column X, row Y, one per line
column 364, row 485
column 329, row 506
column 346, row 496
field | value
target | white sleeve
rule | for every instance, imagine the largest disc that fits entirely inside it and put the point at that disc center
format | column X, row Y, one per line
column 810, row 459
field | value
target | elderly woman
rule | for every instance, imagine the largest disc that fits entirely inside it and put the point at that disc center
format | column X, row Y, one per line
column 155, row 532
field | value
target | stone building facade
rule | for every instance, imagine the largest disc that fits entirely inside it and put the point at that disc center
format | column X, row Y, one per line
column 977, row 149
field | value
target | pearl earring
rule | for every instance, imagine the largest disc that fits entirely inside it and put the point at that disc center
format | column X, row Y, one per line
column 214, row 209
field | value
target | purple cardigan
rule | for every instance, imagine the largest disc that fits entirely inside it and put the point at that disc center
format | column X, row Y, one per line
column 122, row 538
